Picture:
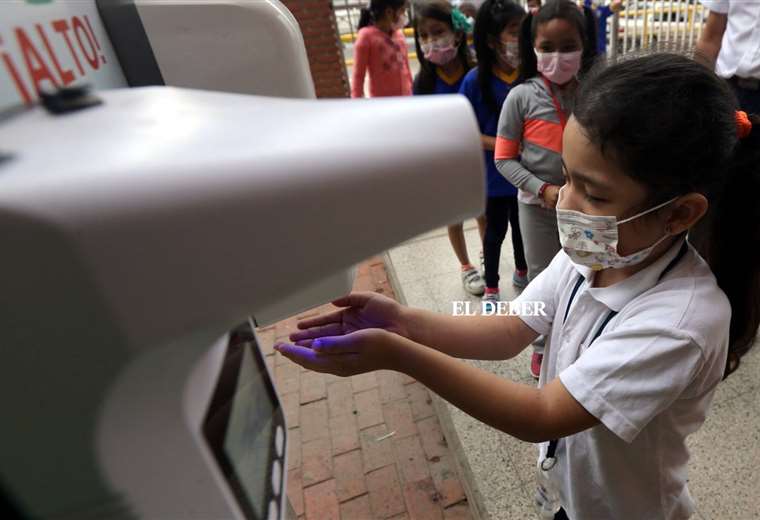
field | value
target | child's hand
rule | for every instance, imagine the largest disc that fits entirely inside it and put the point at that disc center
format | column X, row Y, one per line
column 364, row 310
column 550, row 196
column 347, row 355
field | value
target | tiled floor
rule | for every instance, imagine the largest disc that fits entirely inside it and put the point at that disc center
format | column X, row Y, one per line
column 366, row 447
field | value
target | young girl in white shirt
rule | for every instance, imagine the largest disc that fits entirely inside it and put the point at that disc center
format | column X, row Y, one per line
column 640, row 326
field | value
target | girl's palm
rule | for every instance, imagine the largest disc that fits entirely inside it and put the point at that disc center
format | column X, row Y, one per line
column 362, row 310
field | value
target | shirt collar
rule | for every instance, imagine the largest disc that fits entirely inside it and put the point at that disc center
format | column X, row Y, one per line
column 616, row 296
column 506, row 78
column 449, row 80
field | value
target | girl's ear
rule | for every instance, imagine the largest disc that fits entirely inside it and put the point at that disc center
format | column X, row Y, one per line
column 689, row 210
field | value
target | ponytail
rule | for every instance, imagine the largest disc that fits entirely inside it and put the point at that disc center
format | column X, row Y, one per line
column 590, row 45
column 732, row 250
column 365, row 17
column 528, row 63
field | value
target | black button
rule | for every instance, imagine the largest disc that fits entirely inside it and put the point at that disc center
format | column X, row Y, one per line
column 68, row 99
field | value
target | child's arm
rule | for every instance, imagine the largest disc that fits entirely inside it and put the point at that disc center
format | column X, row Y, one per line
column 508, row 140
column 523, row 411
column 472, row 337
column 711, row 39
column 469, row 89
column 361, row 59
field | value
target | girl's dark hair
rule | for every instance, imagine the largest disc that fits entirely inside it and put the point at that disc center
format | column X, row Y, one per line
column 439, row 10
column 369, row 15
column 583, row 20
column 493, row 16
column 671, row 125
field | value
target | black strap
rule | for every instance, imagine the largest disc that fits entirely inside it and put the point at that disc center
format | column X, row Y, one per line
column 572, row 296
column 125, row 29
column 552, row 449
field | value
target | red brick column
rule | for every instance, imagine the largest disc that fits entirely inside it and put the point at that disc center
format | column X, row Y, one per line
column 320, row 32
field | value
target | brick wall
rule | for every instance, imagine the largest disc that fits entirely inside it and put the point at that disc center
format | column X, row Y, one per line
column 320, row 32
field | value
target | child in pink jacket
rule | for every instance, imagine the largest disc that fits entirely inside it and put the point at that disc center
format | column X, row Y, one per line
column 380, row 49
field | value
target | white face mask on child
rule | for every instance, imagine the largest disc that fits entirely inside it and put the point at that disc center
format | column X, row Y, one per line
column 558, row 67
column 441, row 50
column 592, row 240
column 511, row 53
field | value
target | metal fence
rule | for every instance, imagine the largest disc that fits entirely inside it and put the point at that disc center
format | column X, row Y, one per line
column 673, row 25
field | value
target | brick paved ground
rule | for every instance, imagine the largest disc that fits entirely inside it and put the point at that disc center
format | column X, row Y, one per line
column 366, row 447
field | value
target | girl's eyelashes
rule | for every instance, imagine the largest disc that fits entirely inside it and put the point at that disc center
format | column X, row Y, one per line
column 591, row 198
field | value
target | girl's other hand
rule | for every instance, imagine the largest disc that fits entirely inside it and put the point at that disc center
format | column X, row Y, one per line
column 362, row 310
column 346, row 355
column 488, row 142
column 550, row 196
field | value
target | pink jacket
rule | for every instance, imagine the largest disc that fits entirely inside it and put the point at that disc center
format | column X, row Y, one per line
column 385, row 59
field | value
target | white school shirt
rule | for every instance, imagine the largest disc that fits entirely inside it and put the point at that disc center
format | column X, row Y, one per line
column 740, row 48
column 649, row 379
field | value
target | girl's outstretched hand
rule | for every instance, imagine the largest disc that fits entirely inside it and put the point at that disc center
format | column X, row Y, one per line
column 361, row 310
column 346, row 355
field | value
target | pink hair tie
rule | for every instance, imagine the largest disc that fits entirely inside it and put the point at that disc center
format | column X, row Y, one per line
column 743, row 124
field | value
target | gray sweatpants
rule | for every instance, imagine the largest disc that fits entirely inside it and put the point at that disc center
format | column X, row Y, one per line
column 538, row 227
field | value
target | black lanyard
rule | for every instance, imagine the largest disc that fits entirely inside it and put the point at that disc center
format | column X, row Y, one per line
column 550, row 459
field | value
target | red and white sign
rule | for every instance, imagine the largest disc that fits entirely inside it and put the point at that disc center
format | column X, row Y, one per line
column 53, row 44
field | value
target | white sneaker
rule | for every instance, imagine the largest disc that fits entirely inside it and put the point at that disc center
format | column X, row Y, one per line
column 491, row 297
column 490, row 302
column 472, row 281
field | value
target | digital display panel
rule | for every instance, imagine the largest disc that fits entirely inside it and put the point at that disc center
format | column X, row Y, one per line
column 245, row 429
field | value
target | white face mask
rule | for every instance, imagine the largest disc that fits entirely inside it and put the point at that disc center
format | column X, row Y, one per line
column 441, row 50
column 592, row 240
column 511, row 54
column 558, row 67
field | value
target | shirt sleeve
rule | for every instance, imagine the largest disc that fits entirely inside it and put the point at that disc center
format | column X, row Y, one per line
column 469, row 89
column 466, row 90
column 718, row 6
column 630, row 375
column 508, row 141
column 542, row 293
column 361, row 59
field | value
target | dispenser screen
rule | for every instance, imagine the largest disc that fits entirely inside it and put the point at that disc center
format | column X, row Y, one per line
column 249, row 433
column 245, row 430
